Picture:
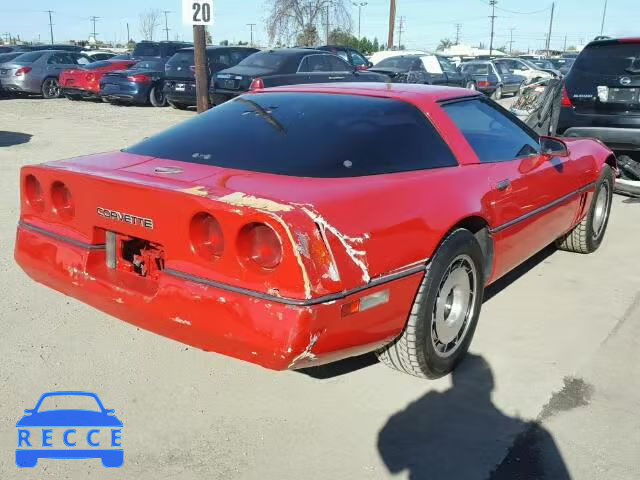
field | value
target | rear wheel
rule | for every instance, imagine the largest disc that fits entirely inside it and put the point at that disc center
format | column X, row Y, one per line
column 51, row 88
column 497, row 95
column 587, row 236
column 157, row 98
column 179, row 106
column 445, row 311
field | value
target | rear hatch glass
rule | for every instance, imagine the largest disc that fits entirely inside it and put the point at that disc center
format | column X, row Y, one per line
column 359, row 136
column 146, row 50
column 180, row 66
column 605, row 78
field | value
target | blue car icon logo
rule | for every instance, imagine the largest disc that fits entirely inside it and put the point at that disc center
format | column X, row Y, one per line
column 87, row 431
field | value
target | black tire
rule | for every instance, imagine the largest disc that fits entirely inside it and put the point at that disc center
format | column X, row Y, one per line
column 50, row 88
column 179, row 106
column 414, row 351
column 497, row 95
column 587, row 236
column 156, row 97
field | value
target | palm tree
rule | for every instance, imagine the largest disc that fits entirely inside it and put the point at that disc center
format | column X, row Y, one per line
column 445, row 43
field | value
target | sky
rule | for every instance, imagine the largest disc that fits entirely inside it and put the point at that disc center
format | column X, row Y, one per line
column 425, row 21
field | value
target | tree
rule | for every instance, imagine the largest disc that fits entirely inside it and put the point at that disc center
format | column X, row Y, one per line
column 149, row 20
column 376, row 45
column 207, row 37
column 445, row 43
column 291, row 20
column 224, row 43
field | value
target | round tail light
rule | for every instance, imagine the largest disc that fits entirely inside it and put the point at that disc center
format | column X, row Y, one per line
column 260, row 245
column 206, row 235
column 62, row 200
column 33, row 193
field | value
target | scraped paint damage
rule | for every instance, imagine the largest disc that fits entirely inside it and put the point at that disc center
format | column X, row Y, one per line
column 306, row 354
column 241, row 199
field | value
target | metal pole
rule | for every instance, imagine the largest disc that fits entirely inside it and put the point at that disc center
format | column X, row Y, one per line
column 359, row 20
column 553, row 6
column 327, row 26
column 251, row 25
column 604, row 14
column 493, row 18
column 50, row 25
column 392, row 23
column 202, row 78
column 166, row 23
column 128, row 37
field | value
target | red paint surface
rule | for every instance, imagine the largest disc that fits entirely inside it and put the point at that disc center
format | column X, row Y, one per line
column 89, row 80
column 418, row 210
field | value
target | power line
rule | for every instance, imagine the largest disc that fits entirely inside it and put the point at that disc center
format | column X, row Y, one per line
column 515, row 12
column 166, row 22
column 93, row 19
column 251, row 25
column 50, row 25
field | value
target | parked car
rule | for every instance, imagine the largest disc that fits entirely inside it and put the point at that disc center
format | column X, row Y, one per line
column 428, row 69
column 377, row 57
column 180, row 84
column 164, row 50
column 522, row 67
column 286, row 66
column 142, row 84
column 602, row 100
column 538, row 105
column 55, row 46
column 280, row 214
column 99, row 55
column 546, row 66
column 563, row 65
column 492, row 79
column 351, row 55
column 78, row 83
column 6, row 57
column 38, row 71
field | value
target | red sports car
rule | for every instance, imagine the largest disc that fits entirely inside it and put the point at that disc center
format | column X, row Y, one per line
column 77, row 83
column 300, row 225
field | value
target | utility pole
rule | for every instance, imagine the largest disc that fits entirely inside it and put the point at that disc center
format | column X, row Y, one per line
column 553, row 6
column 604, row 14
column 511, row 40
column 93, row 20
column 202, row 79
column 392, row 23
column 565, row 44
column 166, row 23
column 128, row 37
column 251, row 25
column 50, row 25
column 458, row 28
column 359, row 5
column 400, row 30
column 493, row 19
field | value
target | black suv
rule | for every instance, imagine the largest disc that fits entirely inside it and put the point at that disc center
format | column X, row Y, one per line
column 602, row 99
column 147, row 50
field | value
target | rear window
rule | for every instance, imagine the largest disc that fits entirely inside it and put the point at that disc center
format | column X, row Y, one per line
column 182, row 58
column 268, row 60
column 397, row 62
column 28, row 57
column 476, row 68
column 146, row 50
column 609, row 59
column 306, row 135
column 98, row 65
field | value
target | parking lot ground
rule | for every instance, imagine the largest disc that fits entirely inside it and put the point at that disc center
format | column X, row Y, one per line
column 551, row 390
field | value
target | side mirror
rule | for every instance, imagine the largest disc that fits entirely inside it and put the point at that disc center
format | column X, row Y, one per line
column 369, row 64
column 553, row 147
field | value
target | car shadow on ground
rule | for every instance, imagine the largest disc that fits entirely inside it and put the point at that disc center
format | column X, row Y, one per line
column 8, row 139
column 460, row 434
column 353, row 364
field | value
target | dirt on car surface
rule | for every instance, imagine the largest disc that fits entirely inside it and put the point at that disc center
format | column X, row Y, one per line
column 553, row 375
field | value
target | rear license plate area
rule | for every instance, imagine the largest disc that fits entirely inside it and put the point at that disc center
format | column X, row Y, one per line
column 622, row 95
column 134, row 255
column 180, row 87
column 229, row 84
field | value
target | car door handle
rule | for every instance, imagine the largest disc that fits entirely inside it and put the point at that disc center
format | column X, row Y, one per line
column 502, row 185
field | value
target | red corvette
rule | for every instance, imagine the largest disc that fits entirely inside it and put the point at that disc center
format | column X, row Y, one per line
column 300, row 225
column 77, row 83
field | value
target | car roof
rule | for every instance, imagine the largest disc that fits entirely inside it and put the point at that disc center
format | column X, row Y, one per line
column 216, row 47
column 614, row 41
column 401, row 91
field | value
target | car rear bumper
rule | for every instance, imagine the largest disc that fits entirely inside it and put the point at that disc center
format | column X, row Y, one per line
column 133, row 92
column 273, row 332
column 182, row 98
column 78, row 92
column 618, row 132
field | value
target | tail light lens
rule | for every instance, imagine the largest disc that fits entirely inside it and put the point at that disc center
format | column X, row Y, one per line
column 256, row 84
column 90, row 77
column 33, row 193
column 566, row 101
column 206, row 235
column 139, row 78
column 483, row 83
column 259, row 244
column 62, row 200
column 22, row 70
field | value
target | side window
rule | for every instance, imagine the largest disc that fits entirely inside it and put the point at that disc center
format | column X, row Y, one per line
column 337, row 64
column 358, row 60
column 82, row 60
column 520, row 65
column 221, row 59
column 314, row 63
column 447, row 66
column 431, row 64
column 238, row 55
column 342, row 54
column 492, row 135
column 56, row 59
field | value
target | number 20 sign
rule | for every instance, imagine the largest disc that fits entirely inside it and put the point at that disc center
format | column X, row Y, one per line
column 197, row 12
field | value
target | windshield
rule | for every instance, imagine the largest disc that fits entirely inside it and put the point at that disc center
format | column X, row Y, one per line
column 476, row 68
column 28, row 57
column 529, row 64
column 146, row 50
column 403, row 63
column 269, row 60
column 356, row 136
column 609, row 59
column 543, row 63
column 69, row 402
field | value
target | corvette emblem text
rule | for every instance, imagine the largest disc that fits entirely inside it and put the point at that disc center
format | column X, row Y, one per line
column 125, row 217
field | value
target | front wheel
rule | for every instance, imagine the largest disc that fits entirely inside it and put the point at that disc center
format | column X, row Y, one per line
column 157, row 98
column 587, row 236
column 51, row 88
column 445, row 311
